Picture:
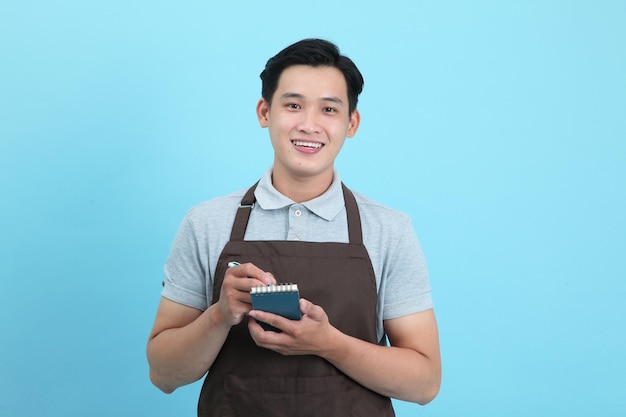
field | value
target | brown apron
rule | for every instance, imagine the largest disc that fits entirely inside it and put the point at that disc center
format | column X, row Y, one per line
column 247, row 380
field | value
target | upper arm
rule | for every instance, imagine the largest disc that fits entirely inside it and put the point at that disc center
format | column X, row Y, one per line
column 171, row 315
column 418, row 332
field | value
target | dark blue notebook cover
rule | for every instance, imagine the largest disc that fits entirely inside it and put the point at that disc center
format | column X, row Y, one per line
column 281, row 299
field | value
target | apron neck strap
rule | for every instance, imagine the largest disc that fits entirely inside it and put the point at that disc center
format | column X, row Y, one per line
column 247, row 203
column 243, row 214
column 354, row 218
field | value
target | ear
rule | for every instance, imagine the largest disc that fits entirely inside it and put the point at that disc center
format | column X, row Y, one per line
column 355, row 120
column 263, row 112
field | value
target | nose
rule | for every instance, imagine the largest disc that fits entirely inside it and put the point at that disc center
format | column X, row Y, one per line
column 309, row 123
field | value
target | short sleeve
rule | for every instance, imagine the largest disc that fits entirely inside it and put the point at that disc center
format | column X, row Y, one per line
column 185, row 274
column 405, row 283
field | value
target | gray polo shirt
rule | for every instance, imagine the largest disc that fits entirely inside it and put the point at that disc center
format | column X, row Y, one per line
column 388, row 235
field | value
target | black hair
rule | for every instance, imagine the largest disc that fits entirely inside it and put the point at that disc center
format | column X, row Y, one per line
column 316, row 53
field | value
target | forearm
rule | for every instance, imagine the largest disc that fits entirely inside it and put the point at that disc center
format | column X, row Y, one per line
column 395, row 372
column 180, row 356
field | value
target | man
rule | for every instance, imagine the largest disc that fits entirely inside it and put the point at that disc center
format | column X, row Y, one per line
column 358, row 264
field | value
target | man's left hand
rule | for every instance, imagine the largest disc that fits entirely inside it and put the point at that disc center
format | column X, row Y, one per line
column 306, row 336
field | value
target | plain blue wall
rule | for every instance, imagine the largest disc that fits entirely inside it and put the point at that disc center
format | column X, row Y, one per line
column 499, row 126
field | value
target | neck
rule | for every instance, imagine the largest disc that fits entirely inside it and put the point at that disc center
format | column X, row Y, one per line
column 301, row 189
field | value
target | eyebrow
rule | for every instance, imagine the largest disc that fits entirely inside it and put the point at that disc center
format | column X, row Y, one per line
column 299, row 96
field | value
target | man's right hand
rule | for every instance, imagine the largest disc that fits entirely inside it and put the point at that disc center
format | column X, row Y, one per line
column 234, row 302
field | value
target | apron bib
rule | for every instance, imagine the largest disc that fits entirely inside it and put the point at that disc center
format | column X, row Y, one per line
column 246, row 380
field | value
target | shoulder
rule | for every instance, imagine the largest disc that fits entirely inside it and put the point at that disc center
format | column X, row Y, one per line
column 212, row 219
column 375, row 213
column 387, row 232
column 215, row 208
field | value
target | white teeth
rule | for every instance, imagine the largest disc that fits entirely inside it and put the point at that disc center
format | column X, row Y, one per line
column 307, row 144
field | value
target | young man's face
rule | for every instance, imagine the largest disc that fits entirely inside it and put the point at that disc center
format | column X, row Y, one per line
column 308, row 122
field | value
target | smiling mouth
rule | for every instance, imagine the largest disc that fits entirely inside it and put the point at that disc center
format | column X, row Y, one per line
column 305, row 144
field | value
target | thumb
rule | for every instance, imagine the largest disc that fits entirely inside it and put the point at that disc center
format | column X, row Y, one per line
column 310, row 309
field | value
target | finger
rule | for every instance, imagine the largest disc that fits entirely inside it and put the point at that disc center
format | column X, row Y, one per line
column 270, row 280
column 260, row 336
column 254, row 327
column 249, row 270
column 272, row 319
column 312, row 310
column 307, row 307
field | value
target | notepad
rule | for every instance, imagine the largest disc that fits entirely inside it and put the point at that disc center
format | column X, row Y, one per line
column 281, row 299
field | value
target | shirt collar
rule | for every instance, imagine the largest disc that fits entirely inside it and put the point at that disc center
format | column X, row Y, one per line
column 326, row 206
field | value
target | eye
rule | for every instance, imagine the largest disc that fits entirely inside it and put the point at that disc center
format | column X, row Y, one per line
column 330, row 110
column 292, row 106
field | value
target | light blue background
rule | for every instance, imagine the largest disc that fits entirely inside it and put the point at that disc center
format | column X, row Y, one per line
column 499, row 126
